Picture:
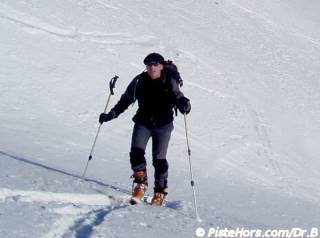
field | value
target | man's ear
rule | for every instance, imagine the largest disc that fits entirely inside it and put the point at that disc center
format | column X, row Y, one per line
column 161, row 66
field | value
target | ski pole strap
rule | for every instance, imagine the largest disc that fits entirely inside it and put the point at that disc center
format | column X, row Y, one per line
column 112, row 84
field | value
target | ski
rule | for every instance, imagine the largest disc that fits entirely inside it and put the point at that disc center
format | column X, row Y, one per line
column 145, row 200
column 134, row 201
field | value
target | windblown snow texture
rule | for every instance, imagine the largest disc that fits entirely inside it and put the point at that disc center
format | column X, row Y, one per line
column 251, row 70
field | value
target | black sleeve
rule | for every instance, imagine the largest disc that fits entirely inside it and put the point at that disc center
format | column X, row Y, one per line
column 127, row 98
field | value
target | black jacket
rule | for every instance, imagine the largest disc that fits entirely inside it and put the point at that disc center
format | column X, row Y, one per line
column 156, row 99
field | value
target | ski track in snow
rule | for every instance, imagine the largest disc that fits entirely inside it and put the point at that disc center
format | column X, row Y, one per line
column 34, row 24
column 81, row 213
column 256, row 15
column 265, row 141
column 77, row 214
column 47, row 197
column 79, row 223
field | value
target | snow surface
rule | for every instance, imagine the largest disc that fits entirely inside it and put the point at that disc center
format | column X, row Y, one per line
column 251, row 70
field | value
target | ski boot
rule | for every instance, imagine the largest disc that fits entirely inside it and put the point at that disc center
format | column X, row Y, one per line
column 159, row 196
column 141, row 181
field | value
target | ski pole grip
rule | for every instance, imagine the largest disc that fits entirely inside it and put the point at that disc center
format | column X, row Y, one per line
column 112, row 84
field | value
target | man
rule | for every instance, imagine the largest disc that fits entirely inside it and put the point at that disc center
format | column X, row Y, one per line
column 157, row 92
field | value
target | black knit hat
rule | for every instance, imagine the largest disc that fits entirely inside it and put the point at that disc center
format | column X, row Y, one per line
column 153, row 57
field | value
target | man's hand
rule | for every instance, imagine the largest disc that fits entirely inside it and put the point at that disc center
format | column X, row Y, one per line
column 184, row 105
column 105, row 117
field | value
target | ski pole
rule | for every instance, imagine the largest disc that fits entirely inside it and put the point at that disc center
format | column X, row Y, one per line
column 112, row 84
column 190, row 167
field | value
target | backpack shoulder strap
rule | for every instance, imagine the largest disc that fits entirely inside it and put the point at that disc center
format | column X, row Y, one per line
column 136, row 82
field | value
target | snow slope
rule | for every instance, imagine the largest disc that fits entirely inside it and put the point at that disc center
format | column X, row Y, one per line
column 251, row 70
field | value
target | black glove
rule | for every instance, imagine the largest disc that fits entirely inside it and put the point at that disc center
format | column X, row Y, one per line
column 105, row 117
column 184, row 105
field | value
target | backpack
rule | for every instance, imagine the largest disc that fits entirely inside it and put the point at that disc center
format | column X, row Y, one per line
column 172, row 69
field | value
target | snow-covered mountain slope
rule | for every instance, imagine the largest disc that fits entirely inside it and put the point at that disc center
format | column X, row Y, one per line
column 251, row 70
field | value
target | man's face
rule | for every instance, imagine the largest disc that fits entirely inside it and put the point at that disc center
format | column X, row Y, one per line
column 154, row 70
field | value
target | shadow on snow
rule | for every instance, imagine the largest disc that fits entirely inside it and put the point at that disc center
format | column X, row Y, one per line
column 38, row 164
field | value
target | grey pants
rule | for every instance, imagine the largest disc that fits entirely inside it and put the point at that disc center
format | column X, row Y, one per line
column 160, row 141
